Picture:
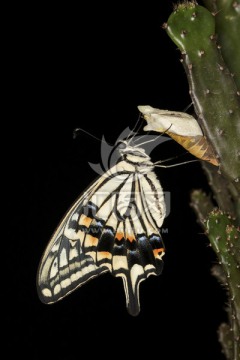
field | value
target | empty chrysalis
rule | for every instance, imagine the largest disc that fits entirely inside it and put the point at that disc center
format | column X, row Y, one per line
column 183, row 128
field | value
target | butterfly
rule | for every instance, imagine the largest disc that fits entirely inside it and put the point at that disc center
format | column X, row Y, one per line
column 114, row 226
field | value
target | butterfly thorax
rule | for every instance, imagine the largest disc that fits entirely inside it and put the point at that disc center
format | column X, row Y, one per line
column 135, row 156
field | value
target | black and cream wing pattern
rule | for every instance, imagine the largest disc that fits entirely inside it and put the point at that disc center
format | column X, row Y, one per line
column 113, row 227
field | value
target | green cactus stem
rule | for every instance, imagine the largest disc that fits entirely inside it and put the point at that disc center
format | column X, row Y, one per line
column 211, row 59
column 225, row 240
column 227, row 16
column 226, row 197
column 202, row 205
column 212, row 88
column 218, row 272
column 226, row 339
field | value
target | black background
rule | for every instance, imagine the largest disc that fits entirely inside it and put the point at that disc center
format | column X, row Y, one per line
column 90, row 67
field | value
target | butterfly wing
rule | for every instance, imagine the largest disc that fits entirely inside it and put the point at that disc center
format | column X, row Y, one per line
column 64, row 265
column 138, row 248
column 114, row 226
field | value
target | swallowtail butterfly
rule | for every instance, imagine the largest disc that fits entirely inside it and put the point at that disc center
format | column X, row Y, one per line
column 114, row 226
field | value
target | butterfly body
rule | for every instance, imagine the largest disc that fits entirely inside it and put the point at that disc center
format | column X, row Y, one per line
column 113, row 227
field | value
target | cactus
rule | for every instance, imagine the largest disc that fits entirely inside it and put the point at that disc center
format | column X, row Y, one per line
column 208, row 42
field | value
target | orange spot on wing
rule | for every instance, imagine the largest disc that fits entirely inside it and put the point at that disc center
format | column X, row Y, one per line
column 104, row 255
column 157, row 251
column 85, row 220
column 130, row 238
column 119, row 236
column 91, row 240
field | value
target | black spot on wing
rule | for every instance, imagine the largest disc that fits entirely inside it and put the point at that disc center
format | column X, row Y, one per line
column 145, row 250
column 119, row 247
column 106, row 240
column 95, row 229
column 88, row 210
column 156, row 242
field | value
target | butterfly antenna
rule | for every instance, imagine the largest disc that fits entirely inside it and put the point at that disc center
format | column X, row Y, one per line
column 187, row 107
column 77, row 130
column 162, row 133
column 173, row 165
column 136, row 128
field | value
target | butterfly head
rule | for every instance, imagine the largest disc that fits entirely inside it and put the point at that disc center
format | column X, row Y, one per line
column 134, row 153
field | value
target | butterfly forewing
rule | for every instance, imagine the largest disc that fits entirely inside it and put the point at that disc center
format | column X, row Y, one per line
column 64, row 265
column 114, row 226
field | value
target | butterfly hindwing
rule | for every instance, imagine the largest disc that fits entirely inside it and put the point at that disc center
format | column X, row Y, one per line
column 113, row 227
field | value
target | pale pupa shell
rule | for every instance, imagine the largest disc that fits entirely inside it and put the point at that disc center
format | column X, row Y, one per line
column 183, row 128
